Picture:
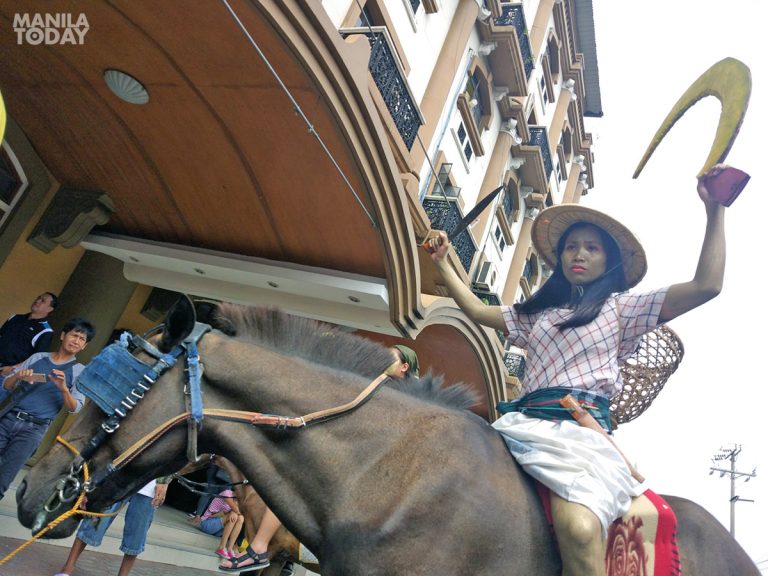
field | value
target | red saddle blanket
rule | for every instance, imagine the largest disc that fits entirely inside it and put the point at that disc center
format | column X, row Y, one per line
column 643, row 542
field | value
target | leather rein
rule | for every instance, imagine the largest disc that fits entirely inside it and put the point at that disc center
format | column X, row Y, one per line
column 69, row 487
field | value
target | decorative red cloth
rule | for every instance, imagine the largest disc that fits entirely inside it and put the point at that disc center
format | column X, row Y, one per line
column 642, row 534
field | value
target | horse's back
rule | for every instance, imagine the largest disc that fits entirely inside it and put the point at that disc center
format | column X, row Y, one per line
column 465, row 495
column 706, row 547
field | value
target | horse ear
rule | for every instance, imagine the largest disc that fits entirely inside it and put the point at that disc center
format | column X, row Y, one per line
column 179, row 323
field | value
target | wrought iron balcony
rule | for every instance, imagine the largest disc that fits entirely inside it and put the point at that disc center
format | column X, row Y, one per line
column 389, row 77
column 491, row 299
column 512, row 15
column 539, row 138
column 488, row 298
column 515, row 364
column 444, row 215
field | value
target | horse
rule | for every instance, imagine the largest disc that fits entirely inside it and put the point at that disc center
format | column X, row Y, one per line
column 389, row 483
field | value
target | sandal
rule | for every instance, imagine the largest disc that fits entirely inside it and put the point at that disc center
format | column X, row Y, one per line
column 260, row 561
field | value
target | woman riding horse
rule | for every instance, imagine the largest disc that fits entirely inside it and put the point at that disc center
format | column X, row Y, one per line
column 391, row 484
column 577, row 328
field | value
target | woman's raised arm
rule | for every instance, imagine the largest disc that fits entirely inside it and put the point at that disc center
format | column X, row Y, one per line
column 707, row 282
column 470, row 304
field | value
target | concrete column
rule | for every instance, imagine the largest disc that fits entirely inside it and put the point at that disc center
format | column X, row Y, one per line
column 438, row 90
column 493, row 176
column 558, row 118
column 573, row 187
column 522, row 244
column 98, row 292
column 537, row 32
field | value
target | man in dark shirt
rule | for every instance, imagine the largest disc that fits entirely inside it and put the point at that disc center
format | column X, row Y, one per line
column 25, row 334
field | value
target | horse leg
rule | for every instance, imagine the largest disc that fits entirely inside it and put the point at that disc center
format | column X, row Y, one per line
column 706, row 547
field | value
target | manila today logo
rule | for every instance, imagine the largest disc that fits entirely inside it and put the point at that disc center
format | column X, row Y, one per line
column 48, row 29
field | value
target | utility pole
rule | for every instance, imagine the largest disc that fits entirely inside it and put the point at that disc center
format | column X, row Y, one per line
column 731, row 454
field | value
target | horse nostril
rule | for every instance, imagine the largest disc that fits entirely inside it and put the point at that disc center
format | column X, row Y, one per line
column 20, row 491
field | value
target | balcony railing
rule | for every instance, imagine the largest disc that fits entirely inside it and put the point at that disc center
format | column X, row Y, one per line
column 515, row 364
column 389, row 77
column 488, row 298
column 444, row 215
column 491, row 299
column 539, row 138
column 512, row 15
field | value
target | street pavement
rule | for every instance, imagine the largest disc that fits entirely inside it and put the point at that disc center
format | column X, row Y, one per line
column 173, row 548
column 42, row 559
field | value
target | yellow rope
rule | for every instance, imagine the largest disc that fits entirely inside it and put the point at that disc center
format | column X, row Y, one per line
column 75, row 509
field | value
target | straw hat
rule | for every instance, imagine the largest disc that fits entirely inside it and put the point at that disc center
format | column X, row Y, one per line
column 552, row 223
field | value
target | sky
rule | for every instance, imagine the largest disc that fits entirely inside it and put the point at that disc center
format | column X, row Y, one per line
column 648, row 54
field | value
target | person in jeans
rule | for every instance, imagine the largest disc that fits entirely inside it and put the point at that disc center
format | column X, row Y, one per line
column 38, row 389
column 138, row 518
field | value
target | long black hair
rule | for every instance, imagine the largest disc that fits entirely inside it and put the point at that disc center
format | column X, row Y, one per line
column 557, row 291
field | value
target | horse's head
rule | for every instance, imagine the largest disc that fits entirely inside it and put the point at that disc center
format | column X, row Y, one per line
column 119, row 441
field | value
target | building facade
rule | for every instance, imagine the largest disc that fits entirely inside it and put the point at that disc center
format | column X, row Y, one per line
column 292, row 154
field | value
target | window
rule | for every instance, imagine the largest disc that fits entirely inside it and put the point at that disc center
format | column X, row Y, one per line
column 12, row 184
column 444, row 186
column 366, row 18
column 475, row 104
column 498, row 235
column 468, row 151
column 464, row 143
column 544, row 92
column 475, row 95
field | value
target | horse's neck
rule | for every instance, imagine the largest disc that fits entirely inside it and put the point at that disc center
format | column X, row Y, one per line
column 253, row 378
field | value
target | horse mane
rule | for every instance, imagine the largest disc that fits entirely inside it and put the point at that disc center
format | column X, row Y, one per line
column 332, row 347
column 431, row 388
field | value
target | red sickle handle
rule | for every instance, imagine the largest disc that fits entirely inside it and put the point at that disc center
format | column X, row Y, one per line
column 431, row 234
column 726, row 185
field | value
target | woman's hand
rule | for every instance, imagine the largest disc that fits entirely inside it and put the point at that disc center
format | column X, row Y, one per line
column 706, row 195
column 438, row 245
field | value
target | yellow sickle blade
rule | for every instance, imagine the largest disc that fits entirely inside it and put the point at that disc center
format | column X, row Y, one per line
column 2, row 117
column 730, row 82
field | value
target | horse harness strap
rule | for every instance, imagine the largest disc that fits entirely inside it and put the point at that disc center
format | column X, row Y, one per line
column 256, row 419
column 205, row 488
column 283, row 422
column 193, row 398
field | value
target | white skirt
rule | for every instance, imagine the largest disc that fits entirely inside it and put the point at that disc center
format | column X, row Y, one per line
column 576, row 463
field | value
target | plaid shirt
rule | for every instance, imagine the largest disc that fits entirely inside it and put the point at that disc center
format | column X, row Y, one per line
column 586, row 357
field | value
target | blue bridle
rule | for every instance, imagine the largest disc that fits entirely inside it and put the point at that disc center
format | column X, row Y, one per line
column 116, row 380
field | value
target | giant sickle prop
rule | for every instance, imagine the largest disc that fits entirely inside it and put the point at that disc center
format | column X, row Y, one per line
column 2, row 117
column 730, row 82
